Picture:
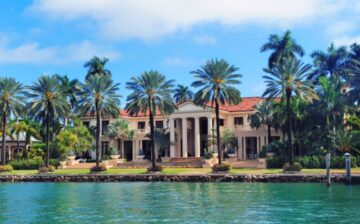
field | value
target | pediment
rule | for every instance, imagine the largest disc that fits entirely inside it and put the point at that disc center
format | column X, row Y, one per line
column 189, row 106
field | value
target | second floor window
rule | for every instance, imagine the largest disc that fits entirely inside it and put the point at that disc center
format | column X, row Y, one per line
column 159, row 124
column 141, row 125
column 104, row 125
column 222, row 122
column 238, row 121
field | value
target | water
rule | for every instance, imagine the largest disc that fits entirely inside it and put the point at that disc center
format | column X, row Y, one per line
column 178, row 203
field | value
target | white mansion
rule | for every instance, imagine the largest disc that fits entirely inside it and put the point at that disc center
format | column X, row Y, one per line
column 189, row 127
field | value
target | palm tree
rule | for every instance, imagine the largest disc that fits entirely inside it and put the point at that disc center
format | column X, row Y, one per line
column 182, row 94
column 354, row 80
column 215, row 80
column 119, row 129
column 47, row 103
column 11, row 103
column 285, row 81
column 347, row 141
column 151, row 93
column 96, row 66
column 98, row 95
column 330, row 63
column 263, row 116
column 282, row 47
column 17, row 127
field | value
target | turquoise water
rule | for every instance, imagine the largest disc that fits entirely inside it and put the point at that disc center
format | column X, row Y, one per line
column 178, row 203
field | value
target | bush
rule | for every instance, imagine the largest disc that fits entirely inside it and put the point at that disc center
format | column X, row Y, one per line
column 45, row 169
column 155, row 169
column 6, row 168
column 105, row 157
column 275, row 162
column 296, row 167
column 311, row 162
column 263, row 152
column 97, row 169
column 221, row 167
column 208, row 155
column 27, row 164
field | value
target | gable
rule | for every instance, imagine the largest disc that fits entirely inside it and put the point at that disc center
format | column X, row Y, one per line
column 189, row 106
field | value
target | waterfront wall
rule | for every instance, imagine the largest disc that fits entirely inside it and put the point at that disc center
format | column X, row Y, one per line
column 175, row 178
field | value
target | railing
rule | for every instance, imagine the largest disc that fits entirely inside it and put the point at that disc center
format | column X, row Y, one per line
column 237, row 128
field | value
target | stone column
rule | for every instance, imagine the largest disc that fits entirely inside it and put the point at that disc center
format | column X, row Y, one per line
column 210, row 126
column 240, row 148
column 134, row 149
column 197, row 137
column 184, row 136
column 172, row 138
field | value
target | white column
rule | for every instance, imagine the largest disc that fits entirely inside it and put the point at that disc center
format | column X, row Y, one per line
column 184, row 136
column 210, row 126
column 240, row 148
column 172, row 138
column 122, row 148
column 197, row 137
column 134, row 149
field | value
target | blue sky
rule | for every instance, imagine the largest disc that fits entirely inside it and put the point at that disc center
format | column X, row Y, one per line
column 171, row 36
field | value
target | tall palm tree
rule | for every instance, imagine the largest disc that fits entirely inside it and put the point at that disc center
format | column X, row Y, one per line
column 11, row 103
column 96, row 66
column 98, row 95
column 354, row 80
column 263, row 116
column 285, row 81
column 216, row 80
column 47, row 103
column 119, row 130
column 281, row 47
column 182, row 94
column 151, row 92
column 330, row 63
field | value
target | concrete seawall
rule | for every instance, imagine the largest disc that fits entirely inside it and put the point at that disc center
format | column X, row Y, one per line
column 273, row 178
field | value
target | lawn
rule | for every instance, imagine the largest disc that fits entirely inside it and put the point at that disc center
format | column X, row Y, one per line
column 172, row 171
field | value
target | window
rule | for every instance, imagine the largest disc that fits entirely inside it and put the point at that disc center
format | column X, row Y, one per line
column 222, row 122
column 86, row 124
column 104, row 125
column 104, row 147
column 159, row 124
column 141, row 125
column 238, row 121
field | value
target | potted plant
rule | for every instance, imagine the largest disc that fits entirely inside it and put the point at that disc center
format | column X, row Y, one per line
column 114, row 154
column 62, row 160
column 105, row 160
column 141, row 155
column 231, row 152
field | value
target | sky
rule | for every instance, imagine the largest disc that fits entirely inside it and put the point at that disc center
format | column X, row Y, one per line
column 172, row 36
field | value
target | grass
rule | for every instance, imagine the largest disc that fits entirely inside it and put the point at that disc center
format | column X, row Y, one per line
column 174, row 171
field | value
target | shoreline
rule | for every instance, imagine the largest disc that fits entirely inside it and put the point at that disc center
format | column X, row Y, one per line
column 220, row 177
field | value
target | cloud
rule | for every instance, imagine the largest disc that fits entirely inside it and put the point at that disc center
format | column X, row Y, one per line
column 33, row 53
column 346, row 40
column 124, row 19
column 338, row 28
column 205, row 39
column 177, row 61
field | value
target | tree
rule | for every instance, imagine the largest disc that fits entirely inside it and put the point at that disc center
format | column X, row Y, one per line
column 282, row 47
column 215, row 80
column 98, row 95
column 119, row 129
column 162, row 139
column 228, row 138
column 47, row 103
column 151, row 93
column 354, row 81
column 16, row 128
column 182, row 94
column 330, row 63
column 263, row 116
column 11, row 103
column 96, row 66
column 347, row 141
column 285, row 81
column 65, row 142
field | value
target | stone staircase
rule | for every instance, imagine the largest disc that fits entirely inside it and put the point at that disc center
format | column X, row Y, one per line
column 191, row 162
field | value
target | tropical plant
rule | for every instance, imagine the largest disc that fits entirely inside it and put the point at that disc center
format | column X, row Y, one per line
column 347, row 141
column 263, row 116
column 285, row 81
column 47, row 103
column 151, row 93
column 215, row 80
column 65, row 142
column 282, row 47
column 353, row 77
column 17, row 127
column 162, row 139
column 98, row 95
column 228, row 139
column 182, row 94
column 119, row 130
column 96, row 66
column 11, row 103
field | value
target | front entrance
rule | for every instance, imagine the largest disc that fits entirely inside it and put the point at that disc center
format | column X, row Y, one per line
column 251, row 147
column 128, row 150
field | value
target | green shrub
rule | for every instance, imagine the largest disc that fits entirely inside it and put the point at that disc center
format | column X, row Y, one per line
column 27, row 164
column 263, row 152
column 6, row 168
column 296, row 167
column 155, row 169
column 208, row 155
column 44, row 169
column 105, row 157
column 275, row 162
column 97, row 169
column 224, row 167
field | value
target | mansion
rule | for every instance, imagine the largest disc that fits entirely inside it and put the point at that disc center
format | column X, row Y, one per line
column 189, row 128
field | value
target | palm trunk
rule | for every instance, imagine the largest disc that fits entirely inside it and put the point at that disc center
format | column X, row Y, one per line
column 269, row 134
column 218, row 130
column 152, row 131
column 97, row 132
column 3, row 150
column 289, row 129
column 47, row 135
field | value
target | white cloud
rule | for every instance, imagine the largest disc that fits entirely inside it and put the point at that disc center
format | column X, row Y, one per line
column 346, row 40
column 205, row 39
column 33, row 53
column 177, row 61
column 339, row 28
column 151, row 19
